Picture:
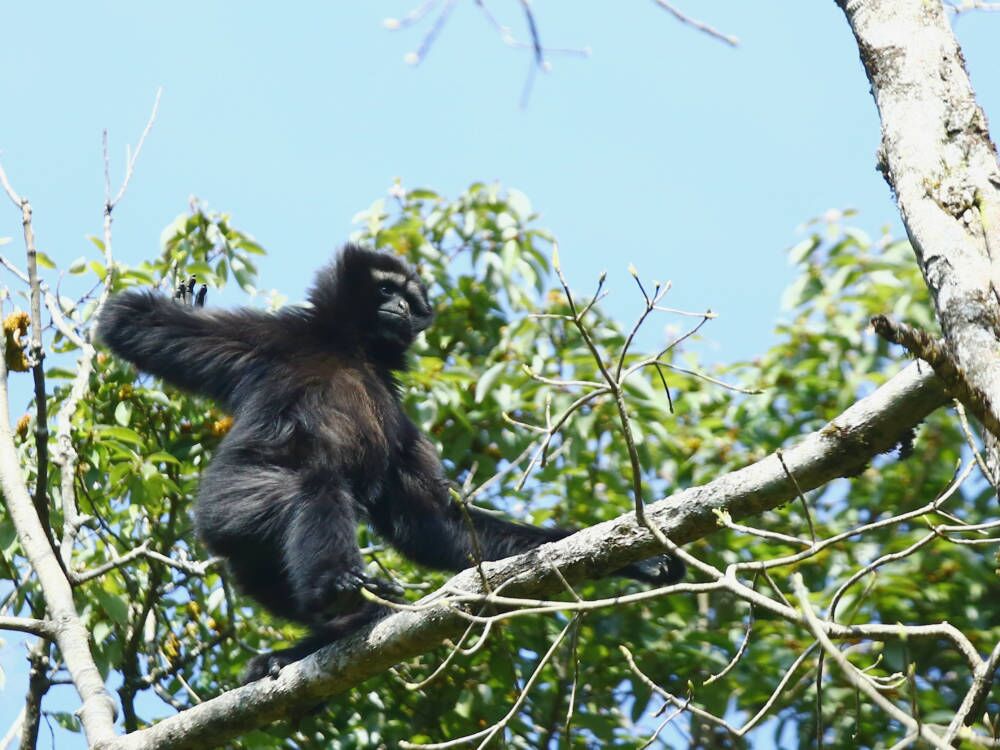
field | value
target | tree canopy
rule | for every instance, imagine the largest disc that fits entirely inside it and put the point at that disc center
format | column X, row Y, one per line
column 836, row 505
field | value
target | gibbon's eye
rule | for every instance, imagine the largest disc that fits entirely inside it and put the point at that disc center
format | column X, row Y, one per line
column 386, row 290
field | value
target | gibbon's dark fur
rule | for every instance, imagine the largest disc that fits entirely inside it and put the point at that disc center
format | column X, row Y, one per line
column 318, row 443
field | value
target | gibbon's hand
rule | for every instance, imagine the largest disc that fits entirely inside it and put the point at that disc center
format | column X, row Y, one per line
column 185, row 293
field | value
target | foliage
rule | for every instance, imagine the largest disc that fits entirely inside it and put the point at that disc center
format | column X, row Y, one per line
column 180, row 632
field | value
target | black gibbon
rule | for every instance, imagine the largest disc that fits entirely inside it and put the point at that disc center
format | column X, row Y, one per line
column 318, row 443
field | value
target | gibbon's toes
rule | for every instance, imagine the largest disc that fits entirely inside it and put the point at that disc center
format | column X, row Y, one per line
column 384, row 588
column 661, row 570
column 199, row 301
column 266, row 665
column 335, row 593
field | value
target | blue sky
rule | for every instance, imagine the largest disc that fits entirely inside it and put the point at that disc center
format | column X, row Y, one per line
column 663, row 148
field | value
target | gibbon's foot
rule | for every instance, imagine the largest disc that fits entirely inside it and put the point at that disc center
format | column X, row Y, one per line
column 333, row 593
column 271, row 664
column 339, row 593
column 661, row 570
column 385, row 589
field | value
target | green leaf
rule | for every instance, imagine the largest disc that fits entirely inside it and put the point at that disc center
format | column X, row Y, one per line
column 44, row 260
column 162, row 457
column 60, row 373
column 114, row 606
column 123, row 413
column 803, row 250
column 519, row 203
column 118, row 472
column 124, row 434
column 101, row 631
column 487, row 379
column 422, row 194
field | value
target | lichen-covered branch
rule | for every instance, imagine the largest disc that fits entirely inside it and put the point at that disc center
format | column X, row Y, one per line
column 97, row 711
column 937, row 157
column 871, row 426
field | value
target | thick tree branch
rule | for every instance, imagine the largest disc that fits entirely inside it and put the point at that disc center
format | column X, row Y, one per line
column 97, row 711
column 843, row 447
column 938, row 159
column 31, row 625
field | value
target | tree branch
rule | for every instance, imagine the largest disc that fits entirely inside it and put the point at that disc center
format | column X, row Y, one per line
column 871, row 426
column 37, row 352
column 42, row 628
column 97, row 711
column 938, row 159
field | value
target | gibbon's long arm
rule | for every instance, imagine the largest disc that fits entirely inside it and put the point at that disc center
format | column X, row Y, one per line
column 211, row 352
column 423, row 522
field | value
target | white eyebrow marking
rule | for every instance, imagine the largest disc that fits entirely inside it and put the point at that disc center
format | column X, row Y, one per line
column 391, row 276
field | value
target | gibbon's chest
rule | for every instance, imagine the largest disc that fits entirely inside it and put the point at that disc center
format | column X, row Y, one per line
column 360, row 415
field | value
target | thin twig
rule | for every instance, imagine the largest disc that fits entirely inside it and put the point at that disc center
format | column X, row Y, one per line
column 64, row 454
column 798, row 491
column 131, row 158
column 487, row 735
column 851, row 673
column 732, row 41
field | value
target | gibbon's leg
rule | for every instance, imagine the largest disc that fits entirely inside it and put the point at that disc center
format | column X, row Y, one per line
column 321, row 555
column 290, row 538
column 242, row 514
column 271, row 664
column 325, row 575
column 290, row 544
column 441, row 539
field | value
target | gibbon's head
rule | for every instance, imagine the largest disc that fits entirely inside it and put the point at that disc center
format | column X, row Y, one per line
column 374, row 296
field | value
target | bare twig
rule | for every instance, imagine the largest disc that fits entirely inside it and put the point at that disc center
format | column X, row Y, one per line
column 970, row 440
column 131, row 157
column 614, row 385
column 802, row 498
column 964, row 6
column 64, row 454
column 687, row 705
column 13, row 731
column 415, row 58
column 851, row 673
column 737, row 656
column 439, row 670
column 486, row 735
column 892, row 520
column 975, row 698
column 732, row 41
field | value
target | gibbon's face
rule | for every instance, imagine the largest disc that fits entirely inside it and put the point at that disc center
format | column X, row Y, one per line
column 401, row 307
